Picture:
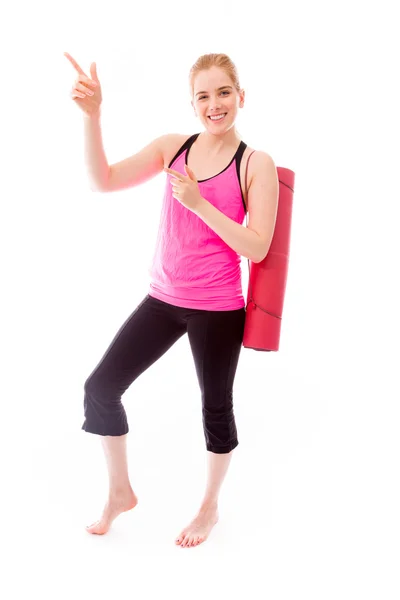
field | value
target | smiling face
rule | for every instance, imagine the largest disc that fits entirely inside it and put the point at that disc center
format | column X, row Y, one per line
column 213, row 94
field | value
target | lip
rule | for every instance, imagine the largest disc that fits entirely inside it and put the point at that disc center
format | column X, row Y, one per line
column 208, row 116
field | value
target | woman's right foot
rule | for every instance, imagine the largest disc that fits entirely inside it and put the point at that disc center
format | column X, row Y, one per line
column 117, row 503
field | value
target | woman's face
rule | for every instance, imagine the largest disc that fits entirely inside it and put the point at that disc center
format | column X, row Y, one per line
column 209, row 100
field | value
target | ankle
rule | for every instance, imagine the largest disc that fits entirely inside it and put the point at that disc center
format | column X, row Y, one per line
column 208, row 504
column 118, row 490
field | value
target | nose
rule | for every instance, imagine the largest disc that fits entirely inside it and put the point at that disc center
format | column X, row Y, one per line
column 214, row 108
column 214, row 105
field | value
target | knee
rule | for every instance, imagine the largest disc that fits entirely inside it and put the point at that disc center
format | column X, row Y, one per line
column 104, row 412
column 93, row 386
column 104, row 387
column 90, row 385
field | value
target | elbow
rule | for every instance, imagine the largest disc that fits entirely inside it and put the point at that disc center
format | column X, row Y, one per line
column 263, row 256
column 261, row 253
column 256, row 258
column 100, row 184
column 98, row 189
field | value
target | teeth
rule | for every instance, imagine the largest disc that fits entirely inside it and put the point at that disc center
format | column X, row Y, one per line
column 217, row 118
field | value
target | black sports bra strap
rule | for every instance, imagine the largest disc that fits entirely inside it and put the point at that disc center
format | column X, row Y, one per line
column 184, row 147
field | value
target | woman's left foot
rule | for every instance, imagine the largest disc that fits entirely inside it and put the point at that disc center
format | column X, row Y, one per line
column 199, row 529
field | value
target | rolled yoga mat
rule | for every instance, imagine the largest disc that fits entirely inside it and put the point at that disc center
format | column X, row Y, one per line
column 267, row 279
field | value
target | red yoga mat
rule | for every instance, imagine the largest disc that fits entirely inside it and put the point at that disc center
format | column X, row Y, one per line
column 267, row 279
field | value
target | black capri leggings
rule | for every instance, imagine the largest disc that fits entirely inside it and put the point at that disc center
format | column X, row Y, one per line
column 215, row 339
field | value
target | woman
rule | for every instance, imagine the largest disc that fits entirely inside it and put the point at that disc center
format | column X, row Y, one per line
column 195, row 276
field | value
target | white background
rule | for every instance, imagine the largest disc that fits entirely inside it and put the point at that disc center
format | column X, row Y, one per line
column 310, row 505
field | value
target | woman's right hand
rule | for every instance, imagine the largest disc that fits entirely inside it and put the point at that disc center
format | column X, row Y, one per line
column 86, row 92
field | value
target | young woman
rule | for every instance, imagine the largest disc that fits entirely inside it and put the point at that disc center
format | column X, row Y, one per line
column 195, row 276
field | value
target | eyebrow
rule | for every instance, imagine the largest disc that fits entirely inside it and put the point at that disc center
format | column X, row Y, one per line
column 220, row 88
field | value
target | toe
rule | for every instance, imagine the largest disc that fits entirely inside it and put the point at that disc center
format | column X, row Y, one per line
column 180, row 537
column 89, row 526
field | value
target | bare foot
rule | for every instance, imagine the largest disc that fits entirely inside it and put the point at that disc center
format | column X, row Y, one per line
column 116, row 504
column 199, row 529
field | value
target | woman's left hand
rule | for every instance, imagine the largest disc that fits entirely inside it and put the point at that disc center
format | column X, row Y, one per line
column 185, row 189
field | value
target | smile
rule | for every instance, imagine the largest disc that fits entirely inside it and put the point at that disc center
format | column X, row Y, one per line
column 218, row 117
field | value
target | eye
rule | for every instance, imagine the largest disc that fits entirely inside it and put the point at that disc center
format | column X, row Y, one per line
column 223, row 92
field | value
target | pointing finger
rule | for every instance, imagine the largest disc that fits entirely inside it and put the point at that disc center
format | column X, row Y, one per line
column 174, row 173
column 75, row 64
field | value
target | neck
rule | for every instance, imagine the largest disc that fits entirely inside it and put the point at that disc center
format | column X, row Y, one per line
column 216, row 143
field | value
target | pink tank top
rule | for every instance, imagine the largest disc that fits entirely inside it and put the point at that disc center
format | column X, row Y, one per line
column 192, row 266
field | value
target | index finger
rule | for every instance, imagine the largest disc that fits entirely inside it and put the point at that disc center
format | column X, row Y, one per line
column 74, row 64
column 174, row 173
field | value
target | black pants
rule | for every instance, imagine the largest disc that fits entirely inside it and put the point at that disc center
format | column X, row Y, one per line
column 215, row 339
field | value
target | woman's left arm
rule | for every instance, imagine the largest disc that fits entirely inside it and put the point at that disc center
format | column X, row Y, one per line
column 253, row 241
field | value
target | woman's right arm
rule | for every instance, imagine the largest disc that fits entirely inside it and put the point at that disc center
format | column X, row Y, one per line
column 134, row 170
column 95, row 158
column 130, row 172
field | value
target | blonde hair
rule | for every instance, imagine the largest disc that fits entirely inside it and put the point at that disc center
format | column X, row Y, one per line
column 222, row 61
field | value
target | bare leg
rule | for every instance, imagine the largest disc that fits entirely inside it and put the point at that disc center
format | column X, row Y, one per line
column 121, row 496
column 199, row 529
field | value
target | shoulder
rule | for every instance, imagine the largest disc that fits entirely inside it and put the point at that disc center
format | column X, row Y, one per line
column 261, row 165
column 260, row 159
column 172, row 139
column 170, row 144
